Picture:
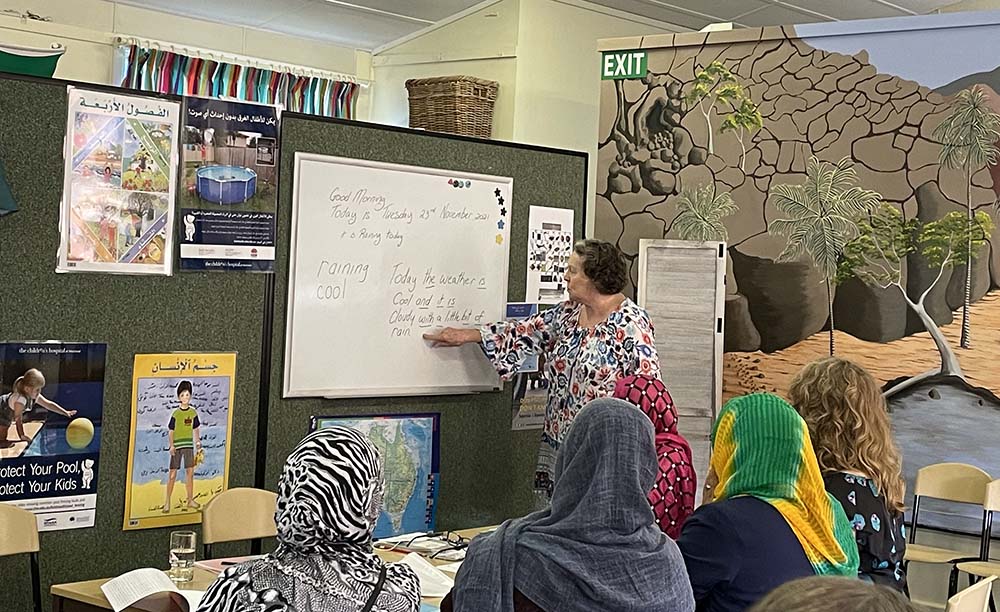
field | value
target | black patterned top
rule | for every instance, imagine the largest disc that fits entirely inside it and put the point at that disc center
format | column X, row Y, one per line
column 880, row 534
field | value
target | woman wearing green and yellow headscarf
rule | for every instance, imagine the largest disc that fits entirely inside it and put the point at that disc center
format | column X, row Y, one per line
column 771, row 520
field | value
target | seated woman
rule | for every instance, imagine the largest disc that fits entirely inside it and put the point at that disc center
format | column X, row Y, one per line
column 828, row 594
column 849, row 426
column 329, row 497
column 596, row 546
column 772, row 521
column 673, row 494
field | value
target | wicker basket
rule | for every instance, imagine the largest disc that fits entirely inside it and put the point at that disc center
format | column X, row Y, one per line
column 453, row 104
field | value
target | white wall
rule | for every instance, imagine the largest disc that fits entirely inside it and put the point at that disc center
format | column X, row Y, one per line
column 88, row 28
column 479, row 44
column 558, row 75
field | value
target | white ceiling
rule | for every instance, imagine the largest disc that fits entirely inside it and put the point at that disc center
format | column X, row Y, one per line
column 367, row 24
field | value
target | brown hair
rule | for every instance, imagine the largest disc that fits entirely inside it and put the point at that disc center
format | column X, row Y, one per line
column 603, row 264
column 849, row 424
column 31, row 379
column 833, row 594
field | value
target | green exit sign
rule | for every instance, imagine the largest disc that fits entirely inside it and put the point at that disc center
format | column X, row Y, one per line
column 623, row 64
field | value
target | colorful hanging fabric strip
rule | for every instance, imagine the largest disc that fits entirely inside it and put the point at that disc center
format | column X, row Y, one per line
column 168, row 72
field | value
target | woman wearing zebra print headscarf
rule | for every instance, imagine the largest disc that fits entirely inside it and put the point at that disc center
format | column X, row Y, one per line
column 329, row 497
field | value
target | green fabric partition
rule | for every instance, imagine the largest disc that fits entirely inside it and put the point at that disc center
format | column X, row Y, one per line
column 190, row 312
column 486, row 469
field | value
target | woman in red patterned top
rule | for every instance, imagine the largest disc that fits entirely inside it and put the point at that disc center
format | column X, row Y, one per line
column 672, row 497
column 587, row 343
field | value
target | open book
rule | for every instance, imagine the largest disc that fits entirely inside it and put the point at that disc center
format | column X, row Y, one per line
column 149, row 589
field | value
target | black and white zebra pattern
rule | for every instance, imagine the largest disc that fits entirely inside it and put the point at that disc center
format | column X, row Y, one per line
column 329, row 498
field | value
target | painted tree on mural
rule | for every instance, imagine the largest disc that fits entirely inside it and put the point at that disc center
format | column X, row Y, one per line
column 743, row 122
column 877, row 255
column 700, row 211
column 823, row 217
column 968, row 137
column 712, row 85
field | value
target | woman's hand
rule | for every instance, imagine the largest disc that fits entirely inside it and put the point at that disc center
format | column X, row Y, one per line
column 71, row 413
column 453, row 336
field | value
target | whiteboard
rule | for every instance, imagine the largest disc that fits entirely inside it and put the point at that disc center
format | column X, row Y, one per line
column 682, row 287
column 380, row 254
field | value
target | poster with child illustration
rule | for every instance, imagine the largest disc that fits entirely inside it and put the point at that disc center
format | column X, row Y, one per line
column 180, row 437
column 119, row 184
column 51, row 409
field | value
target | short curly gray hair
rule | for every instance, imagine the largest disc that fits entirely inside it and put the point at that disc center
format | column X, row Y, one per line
column 603, row 264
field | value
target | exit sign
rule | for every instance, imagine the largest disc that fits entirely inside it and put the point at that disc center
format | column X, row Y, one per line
column 623, row 65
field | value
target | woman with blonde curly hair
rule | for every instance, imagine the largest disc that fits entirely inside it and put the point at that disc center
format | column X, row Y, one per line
column 849, row 425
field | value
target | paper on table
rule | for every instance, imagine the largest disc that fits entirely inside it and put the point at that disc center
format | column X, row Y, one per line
column 433, row 582
column 451, row 568
column 132, row 587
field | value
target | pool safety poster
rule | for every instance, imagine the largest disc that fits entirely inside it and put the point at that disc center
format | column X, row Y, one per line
column 120, row 179
column 178, row 455
column 228, row 196
column 51, row 409
column 550, row 243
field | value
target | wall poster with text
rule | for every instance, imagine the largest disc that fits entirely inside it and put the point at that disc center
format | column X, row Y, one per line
column 51, row 409
column 530, row 384
column 228, row 196
column 120, row 159
column 550, row 243
column 182, row 417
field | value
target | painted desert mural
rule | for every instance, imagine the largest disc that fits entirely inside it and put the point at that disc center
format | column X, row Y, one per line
column 853, row 169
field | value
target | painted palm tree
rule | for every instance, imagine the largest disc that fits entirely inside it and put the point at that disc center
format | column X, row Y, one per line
column 700, row 212
column 822, row 218
column 876, row 257
column 968, row 137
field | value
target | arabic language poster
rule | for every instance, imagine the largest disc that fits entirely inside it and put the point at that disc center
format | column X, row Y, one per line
column 120, row 179
column 228, row 196
column 178, row 456
column 51, row 408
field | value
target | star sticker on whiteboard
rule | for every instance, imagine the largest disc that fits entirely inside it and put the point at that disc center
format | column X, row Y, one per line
column 499, row 238
column 503, row 212
column 500, row 224
column 497, row 192
column 500, row 200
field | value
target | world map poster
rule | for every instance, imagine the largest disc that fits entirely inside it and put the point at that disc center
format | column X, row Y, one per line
column 410, row 448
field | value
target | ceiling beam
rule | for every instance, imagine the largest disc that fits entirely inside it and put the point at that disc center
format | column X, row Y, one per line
column 374, row 11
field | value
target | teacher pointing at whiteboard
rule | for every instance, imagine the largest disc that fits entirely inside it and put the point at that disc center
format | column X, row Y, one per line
column 587, row 343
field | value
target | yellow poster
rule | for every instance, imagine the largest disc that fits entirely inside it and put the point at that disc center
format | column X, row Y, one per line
column 178, row 455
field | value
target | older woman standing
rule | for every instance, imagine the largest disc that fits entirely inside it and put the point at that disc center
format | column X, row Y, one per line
column 587, row 343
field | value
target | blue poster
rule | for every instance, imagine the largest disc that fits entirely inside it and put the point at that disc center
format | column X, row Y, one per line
column 229, row 199
column 51, row 407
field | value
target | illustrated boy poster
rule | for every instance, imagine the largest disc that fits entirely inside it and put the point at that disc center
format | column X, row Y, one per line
column 182, row 416
column 550, row 243
column 51, row 407
column 120, row 175
column 228, row 198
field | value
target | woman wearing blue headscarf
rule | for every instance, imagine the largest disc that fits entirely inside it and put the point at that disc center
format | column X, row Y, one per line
column 596, row 547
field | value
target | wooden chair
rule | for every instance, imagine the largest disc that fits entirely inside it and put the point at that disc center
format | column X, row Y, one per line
column 983, row 567
column 238, row 514
column 973, row 599
column 18, row 536
column 955, row 482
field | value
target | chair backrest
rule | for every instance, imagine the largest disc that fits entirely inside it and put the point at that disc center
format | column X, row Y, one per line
column 18, row 531
column 239, row 514
column 976, row 598
column 956, row 482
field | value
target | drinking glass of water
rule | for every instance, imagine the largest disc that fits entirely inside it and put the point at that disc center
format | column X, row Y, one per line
column 182, row 550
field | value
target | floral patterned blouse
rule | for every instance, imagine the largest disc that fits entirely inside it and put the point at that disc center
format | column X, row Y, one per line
column 580, row 364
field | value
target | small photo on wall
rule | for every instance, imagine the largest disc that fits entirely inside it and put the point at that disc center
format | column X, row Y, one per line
column 179, row 445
